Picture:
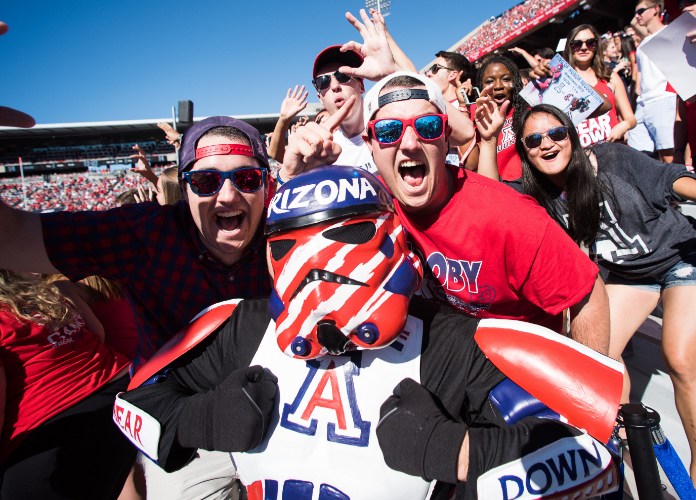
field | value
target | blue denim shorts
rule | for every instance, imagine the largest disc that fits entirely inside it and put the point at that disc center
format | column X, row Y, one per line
column 683, row 273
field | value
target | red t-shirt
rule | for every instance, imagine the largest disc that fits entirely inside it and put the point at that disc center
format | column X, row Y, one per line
column 691, row 127
column 509, row 164
column 120, row 327
column 47, row 372
column 594, row 130
column 494, row 253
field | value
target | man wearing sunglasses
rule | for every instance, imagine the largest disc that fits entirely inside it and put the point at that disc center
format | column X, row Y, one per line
column 489, row 252
column 656, row 106
column 173, row 260
column 334, row 89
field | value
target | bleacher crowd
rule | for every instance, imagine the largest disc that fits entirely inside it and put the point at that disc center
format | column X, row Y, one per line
column 105, row 398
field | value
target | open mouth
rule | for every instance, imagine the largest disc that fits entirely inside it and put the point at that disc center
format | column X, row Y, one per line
column 230, row 220
column 412, row 173
column 499, row 98
column 550, row 156
column 340, row 101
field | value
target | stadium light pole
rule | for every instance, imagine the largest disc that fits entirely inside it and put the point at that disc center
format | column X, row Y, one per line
column 382, row 6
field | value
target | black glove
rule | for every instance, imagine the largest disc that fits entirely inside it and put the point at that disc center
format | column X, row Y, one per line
column 415, row 435
column 234, row 416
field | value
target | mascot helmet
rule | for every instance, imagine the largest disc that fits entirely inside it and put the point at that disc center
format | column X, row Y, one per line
column 343, row 274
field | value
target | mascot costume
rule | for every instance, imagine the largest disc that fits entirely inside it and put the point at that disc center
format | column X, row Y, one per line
column 342, row 385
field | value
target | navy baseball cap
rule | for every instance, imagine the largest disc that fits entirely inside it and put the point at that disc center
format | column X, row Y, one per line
column 189, row 141
column 326, row 193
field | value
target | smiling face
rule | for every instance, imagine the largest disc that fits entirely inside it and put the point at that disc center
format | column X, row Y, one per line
column 413, row 169
column 229, row 219
column 499, row 76
column 551, row 158
column 610, row 50
column 337, row 94
column 585, row 55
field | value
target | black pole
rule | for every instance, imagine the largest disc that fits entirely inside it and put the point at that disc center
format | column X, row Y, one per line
column 638, row 422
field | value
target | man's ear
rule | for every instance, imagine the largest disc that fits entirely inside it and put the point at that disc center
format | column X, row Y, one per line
column 182, row 185
column 448, row 133
column 454, row 77
column 366, row 139
column 362, row 86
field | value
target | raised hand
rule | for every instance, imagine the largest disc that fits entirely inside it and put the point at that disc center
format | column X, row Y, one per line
column 295, row 102
column 141, row 196
column 490, row 117
column 378, row 59
column 173, row 137
column 541, row 70
column 312, row 146
column 464, row 87
column 142, row 167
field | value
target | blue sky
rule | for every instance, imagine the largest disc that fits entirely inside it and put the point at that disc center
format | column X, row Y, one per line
column 95, row 60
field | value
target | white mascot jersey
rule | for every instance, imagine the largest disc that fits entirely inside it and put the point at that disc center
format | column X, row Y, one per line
column 322, row 441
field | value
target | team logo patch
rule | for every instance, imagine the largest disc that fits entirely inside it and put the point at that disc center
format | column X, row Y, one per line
column 140, row 428
column 578, row 467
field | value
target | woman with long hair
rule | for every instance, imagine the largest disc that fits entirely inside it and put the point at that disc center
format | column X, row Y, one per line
column 616, row 201
column 585, row 55
column 58, row 439
column 502, row 76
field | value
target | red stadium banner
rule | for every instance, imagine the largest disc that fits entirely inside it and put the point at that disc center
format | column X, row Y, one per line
column 540, row 17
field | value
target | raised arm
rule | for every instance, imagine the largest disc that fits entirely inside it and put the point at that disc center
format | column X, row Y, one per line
column 294, row 102
column 527, row 56
column 401, row 59
column 490, row 119
column 21, row 242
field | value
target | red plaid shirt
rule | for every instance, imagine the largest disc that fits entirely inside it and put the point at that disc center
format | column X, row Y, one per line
column 156, row 253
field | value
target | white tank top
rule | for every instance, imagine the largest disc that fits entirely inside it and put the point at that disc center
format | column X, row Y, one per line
column 322, row 442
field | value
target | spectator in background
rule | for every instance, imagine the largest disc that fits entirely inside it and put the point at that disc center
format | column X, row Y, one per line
column 127, row 197
column 657, row 101
column 58, row 384
column 585, row 55
column 321, row 116
column 167, row 190
column 524, row 75
column 502, row 76
column 295, row 102
column 452, row 73
column 536, row 56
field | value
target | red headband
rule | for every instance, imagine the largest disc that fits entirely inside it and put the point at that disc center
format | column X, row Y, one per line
column 224, row 149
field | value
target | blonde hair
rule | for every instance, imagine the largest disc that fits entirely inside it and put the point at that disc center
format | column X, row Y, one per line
column 28, row 298
column 170, row 185
column 94, row 289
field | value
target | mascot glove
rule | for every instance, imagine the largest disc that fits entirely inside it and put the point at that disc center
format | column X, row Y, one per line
column 417, row 437
column 232, row 417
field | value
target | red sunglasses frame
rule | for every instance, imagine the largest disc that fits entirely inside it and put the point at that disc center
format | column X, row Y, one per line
column 409, row 121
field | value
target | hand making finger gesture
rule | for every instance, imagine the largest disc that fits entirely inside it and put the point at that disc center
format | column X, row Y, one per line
column 490, row 117
column 312, row 146
column 378, row 59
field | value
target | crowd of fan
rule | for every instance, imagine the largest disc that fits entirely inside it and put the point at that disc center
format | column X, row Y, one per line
column 507, row 22
column 70, row 192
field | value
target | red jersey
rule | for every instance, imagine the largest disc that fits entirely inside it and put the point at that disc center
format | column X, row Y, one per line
column 494, row 253
column 48, row 370
column 120, row 327
column 594, row 130
column 509, row 164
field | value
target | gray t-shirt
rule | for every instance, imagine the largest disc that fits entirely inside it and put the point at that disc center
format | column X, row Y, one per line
column 640, row 234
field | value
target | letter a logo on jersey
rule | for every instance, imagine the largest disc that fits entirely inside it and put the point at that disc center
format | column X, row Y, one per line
column 328, row 401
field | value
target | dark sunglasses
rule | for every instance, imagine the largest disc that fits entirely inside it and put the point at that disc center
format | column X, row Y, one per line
column 209, row 182
column 590, row 42
column 639, row 12
column 391, row 130
column 556, row 134
column 323, row 82
column 437, row 67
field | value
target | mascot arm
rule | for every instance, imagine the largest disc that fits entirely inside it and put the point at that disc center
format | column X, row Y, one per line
column 149, row 413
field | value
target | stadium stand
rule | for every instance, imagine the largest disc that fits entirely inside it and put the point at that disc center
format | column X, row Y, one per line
column 69, row 191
